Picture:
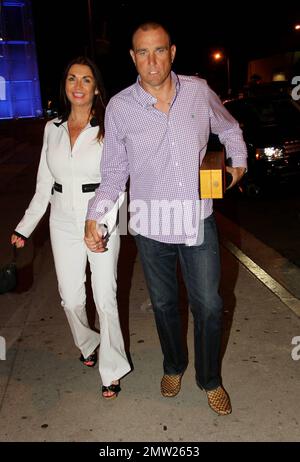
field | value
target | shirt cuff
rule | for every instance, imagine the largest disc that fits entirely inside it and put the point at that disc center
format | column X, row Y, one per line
column 20, row 235
column 93, row 215
column 239, row 162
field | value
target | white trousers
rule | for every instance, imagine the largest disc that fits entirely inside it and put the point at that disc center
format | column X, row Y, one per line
column 70, row 258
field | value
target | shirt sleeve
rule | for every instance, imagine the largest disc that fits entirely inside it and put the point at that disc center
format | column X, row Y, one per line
column 42, row 196
column 114, row 168
column 228, row 130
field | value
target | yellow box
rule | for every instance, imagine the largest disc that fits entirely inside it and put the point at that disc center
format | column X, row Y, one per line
column 212, row 176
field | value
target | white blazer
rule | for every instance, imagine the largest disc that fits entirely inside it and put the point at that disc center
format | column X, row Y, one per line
column 71, row 168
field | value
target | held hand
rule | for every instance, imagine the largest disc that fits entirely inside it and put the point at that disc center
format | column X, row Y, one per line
column 17, row 241
column 93, row 237
column 237, row 174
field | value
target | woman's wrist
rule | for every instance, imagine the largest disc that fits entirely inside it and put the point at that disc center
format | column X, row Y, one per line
column 20, row 235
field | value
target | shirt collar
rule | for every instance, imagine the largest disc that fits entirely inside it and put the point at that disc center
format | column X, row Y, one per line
column 145, row 98
column 93, row 123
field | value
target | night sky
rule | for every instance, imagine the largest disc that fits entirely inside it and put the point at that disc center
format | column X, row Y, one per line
column 247, row 32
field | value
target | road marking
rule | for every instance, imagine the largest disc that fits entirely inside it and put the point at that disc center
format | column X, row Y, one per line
column 281, row 292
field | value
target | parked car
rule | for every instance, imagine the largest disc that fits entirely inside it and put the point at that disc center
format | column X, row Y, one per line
column 271, row 129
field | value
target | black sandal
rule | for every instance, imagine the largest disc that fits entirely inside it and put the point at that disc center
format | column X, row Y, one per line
column 114, row 387
column 90, row 361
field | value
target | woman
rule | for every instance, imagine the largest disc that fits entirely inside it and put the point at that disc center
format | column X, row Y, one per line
column 68, row 176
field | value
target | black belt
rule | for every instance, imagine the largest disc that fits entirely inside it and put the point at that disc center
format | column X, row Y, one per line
column 91, row 187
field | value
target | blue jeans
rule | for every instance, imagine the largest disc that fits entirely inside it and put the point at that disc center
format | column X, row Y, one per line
column 200, row 266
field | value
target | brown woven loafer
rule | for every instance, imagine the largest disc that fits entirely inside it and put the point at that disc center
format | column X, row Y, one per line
column 219, row 401
column 170, row 385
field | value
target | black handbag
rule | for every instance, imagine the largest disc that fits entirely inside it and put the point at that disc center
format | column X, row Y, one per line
column 8, row 275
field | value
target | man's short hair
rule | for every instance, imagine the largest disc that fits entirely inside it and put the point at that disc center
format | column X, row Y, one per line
column 150, row 25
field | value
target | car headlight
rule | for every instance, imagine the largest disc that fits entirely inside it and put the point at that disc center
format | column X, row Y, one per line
column 269, row 153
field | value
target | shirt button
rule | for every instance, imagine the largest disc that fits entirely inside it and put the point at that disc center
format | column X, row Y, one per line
column 180, row 184
column 176, row 164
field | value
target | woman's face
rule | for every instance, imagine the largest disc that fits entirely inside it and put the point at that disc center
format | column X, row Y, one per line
column 80, row 85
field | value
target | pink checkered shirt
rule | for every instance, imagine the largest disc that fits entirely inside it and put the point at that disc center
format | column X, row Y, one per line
column 162, row 153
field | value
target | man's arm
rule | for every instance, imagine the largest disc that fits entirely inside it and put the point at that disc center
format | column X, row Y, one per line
column 114, row 175
column 230, row 135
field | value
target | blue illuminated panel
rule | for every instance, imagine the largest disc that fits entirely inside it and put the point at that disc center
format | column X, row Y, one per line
column 19, row 81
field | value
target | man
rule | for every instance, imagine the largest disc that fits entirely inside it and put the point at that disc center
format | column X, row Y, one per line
column 157, row 132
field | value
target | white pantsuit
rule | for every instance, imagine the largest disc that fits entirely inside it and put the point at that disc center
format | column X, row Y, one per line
column 70, row 169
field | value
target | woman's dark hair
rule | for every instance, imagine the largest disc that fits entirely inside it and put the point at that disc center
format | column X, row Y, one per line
column 99, row 101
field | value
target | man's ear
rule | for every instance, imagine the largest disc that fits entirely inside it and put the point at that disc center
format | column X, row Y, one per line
column 173, row 52
column 132, row 56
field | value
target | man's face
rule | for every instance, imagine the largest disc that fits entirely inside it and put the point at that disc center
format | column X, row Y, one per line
column 152, row 55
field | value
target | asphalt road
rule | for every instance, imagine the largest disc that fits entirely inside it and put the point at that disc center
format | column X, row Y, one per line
column 273, row 219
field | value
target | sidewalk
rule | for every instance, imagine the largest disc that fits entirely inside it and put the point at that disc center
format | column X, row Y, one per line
column 47, row 395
